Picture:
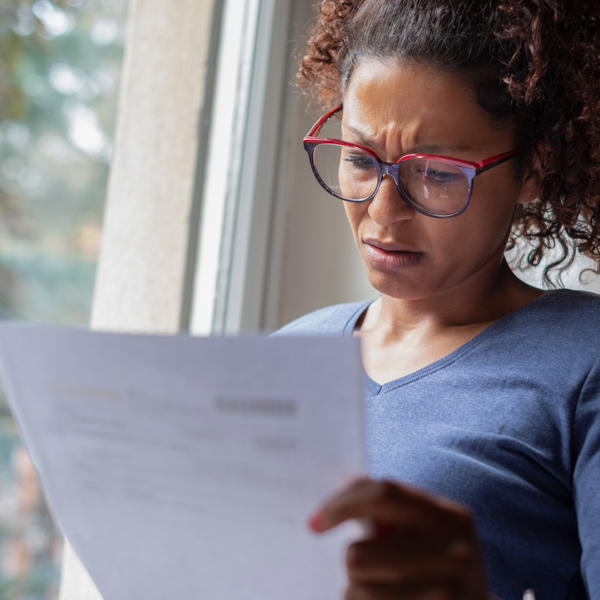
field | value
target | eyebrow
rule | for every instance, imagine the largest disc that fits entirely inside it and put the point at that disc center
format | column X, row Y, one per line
column 423, row 148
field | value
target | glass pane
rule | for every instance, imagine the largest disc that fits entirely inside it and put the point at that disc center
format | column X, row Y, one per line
column 346, row 170
column 222, row 189
column 438, row 186
column 60, row 62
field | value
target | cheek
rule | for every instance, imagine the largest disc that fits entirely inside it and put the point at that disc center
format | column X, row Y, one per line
column 492, row 207
column 483, row 227
column 354, row 213
column 496, row 192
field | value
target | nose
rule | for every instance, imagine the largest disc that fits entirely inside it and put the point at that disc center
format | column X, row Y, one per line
column 388, row 206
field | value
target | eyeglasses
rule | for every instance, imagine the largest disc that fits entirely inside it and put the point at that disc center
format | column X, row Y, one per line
column 434, row 185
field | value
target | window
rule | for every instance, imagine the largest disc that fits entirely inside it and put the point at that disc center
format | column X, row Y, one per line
column 243, row 159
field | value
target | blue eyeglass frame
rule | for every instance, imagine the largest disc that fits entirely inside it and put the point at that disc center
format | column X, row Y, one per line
column 470, row 169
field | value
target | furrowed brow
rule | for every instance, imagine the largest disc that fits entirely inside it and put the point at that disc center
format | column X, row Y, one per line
column 436, row 149
column 360, row 136
column 365, row 140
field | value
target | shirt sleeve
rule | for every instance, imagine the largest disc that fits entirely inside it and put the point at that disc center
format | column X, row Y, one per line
column 586, row 478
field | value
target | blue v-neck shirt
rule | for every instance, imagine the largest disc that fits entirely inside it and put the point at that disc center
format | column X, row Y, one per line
column 508, row 424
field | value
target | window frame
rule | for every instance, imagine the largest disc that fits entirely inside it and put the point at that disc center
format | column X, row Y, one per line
column 238, row 235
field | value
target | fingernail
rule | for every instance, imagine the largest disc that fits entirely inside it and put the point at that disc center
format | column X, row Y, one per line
column 316, row 522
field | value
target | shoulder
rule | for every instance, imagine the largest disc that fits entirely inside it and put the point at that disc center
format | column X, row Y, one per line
column 568, row 297
column 331, row 320
column 569, row 311
column 560, row 327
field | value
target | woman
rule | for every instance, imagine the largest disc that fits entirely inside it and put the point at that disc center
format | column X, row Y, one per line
column 464, row 127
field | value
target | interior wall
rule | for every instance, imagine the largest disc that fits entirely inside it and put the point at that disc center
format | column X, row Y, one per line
column 319, row 264
column 145, row 238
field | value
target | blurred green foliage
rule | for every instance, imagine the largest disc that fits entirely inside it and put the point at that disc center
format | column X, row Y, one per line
column 60, row 63
column 59, row 72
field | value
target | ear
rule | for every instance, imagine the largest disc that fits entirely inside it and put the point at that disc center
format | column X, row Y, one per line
column 531, row 180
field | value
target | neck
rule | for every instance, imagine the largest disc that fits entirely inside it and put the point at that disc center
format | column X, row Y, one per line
column 495, row 292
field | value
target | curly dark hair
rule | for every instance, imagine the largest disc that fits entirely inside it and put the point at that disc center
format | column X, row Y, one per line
column 536, row 62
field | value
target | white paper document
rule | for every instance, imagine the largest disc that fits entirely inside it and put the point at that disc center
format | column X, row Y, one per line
column 186, row 468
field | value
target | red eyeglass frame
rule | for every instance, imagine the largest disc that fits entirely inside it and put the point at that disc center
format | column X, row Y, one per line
column 470, row 168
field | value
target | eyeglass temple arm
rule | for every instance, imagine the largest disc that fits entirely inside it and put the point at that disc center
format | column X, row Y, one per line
column 496, row 160
column 315, row 128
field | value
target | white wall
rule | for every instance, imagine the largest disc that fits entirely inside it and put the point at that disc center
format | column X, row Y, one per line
column 319, row 262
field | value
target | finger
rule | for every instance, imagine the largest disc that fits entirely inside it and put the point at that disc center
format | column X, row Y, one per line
column 391, row 560
column 390, row 504
column 434, row 591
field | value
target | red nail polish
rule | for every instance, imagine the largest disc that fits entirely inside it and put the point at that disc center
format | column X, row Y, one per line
column 315, row 522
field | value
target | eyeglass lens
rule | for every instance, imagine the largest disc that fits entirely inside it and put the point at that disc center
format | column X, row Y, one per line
column 435, row 186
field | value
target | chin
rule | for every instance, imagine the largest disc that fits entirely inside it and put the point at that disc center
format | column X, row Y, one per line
column 398, row 287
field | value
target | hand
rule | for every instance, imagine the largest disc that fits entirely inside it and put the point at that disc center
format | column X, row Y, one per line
column 423, row 547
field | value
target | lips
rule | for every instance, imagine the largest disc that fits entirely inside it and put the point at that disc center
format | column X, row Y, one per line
column 389, row 246
column 385, row 255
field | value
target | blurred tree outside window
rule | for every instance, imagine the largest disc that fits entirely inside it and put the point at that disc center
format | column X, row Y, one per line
column 60, row 63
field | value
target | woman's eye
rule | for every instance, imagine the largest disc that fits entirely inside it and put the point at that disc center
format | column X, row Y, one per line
column 439, row 177
column 359, row 161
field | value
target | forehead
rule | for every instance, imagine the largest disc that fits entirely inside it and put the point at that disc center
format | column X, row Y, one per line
column 412, row 103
